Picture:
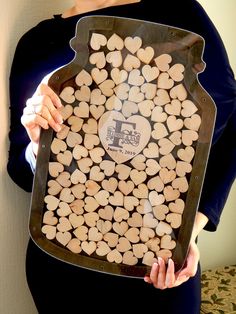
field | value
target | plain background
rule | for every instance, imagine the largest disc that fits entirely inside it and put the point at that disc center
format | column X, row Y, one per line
column 16, row 17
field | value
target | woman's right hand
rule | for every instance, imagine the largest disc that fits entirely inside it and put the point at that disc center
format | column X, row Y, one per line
column 41, row 111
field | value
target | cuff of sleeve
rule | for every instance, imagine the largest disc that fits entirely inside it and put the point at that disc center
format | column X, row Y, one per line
column 213, row 219
column 30, row 157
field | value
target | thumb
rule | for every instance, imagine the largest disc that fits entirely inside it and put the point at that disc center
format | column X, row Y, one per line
column 191, row 261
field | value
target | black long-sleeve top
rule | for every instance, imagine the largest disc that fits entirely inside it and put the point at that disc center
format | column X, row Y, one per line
column 46, row 47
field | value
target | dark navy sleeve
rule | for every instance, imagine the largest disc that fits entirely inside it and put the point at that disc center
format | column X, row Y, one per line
column 40, row 51
column 21, row 87
column 218, row 80
column 220, row 174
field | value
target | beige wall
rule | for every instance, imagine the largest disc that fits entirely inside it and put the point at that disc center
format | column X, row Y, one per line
column 219, row 248
column 16, row 17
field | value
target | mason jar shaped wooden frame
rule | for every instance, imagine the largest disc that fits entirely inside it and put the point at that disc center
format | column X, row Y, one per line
column 120, row 184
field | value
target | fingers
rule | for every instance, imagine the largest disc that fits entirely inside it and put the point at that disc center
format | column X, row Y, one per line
column 44, row 89
column 193, row 259
column 154, row 274
column 42, row 111
column 191, row 262
column 44, row 103
column 44, row 107
column 162, row 276
column 32, row 120
column 180, row 280
column 161, row 279
column 170, row 274
column 43, row 114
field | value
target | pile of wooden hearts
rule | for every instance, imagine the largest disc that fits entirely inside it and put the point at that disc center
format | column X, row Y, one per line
column 120, row 167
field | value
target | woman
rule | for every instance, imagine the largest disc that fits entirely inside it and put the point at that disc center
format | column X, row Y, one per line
column 55, row 285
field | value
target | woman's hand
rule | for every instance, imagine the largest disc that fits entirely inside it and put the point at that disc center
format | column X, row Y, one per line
column 41, row 111
column 163, row 276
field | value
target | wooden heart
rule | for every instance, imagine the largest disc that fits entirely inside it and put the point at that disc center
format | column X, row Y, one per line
column 123, row 138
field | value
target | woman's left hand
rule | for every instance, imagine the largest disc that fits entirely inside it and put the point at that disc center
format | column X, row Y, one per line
column 163, row 276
